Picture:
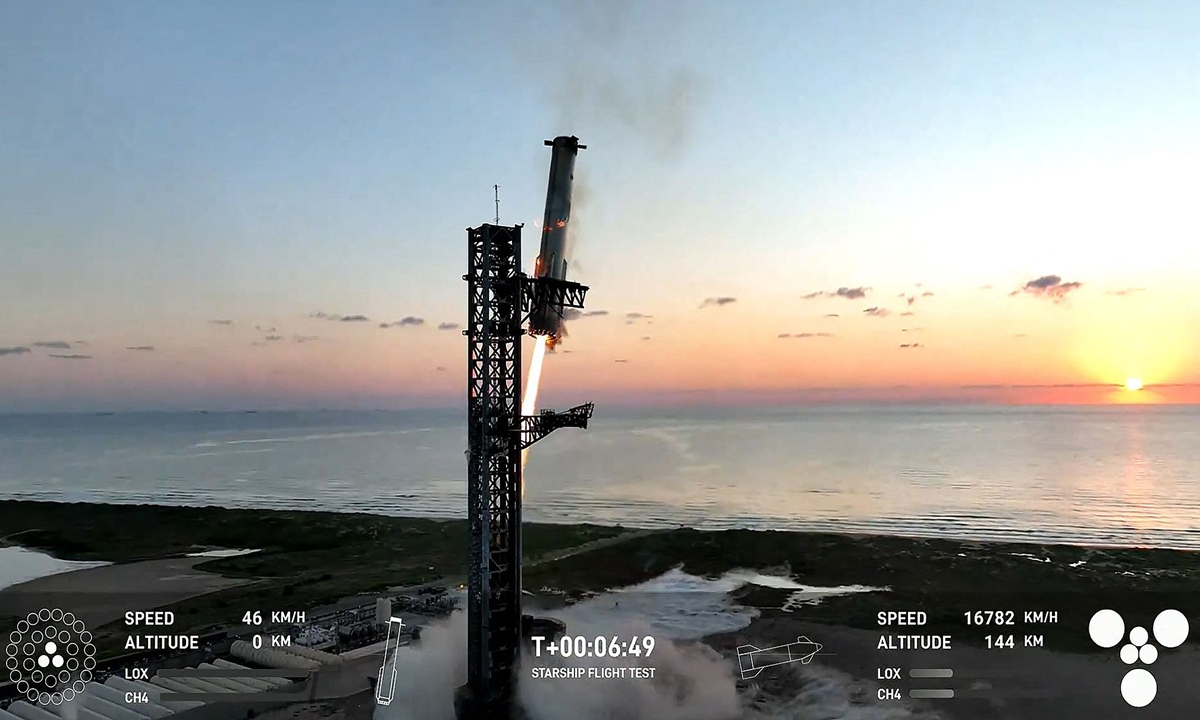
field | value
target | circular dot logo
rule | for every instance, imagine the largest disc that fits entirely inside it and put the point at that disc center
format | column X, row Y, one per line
column 1139, row 688
column 1171, row 628
column 50, row 657
column 1107, row 628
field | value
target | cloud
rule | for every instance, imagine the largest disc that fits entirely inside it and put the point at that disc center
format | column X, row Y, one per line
column 910, row 299
column 913, row 329
column 912, row 345
column 406, row 321
column 449, row 326
column 1050, row 287
column 877, row 312
column 804, row 335
column 849, row 293
column 305, row 338
column 262, row 328
column 71, row 357
column 141, row 348
column 273, row 338
column 632, row 317
column 53, row 344
column 340, row 318
column 645, row 337
column 717, row 301
column 1126, row 291
column 907, row 313
column 575, row 313
column 832, row 315
column 985, row 287
column 440, row 368
column 221, row 322
column 621, row 361
column 13, row 351
column 1021, row 335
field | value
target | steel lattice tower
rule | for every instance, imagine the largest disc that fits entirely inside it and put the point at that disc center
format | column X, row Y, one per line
column 500, row 299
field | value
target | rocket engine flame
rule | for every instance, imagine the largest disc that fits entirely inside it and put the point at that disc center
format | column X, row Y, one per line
column 529, row 401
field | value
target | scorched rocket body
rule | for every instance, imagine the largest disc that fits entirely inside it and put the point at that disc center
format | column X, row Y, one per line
column 556, row 229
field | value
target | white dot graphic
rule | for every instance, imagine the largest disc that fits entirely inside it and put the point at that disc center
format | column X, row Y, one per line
column 1129, row 654
column 1107, row 628
column 1171, row 628
column 1138, row 636
column 1139, row 688
column 1148, row 654
column 51, row 648
column 43, row 661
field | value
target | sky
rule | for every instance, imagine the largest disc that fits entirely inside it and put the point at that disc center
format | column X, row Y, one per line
column 253, row 205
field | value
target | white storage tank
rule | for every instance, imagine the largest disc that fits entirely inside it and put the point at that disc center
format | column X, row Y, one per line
column 271, row 658
column 268, row 682
column 25, row 711
column 239, row 685
column 319, row 656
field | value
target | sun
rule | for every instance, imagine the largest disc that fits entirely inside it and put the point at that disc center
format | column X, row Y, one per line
column 1133, row 384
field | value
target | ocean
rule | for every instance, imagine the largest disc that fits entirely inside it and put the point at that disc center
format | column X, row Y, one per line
column 1125, row 476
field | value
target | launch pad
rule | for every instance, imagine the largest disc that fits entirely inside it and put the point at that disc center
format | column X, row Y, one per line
column 501, row 299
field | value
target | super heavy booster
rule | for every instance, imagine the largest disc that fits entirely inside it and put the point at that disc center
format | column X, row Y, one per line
column 552, row 256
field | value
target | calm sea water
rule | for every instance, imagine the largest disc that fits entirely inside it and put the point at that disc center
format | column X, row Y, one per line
column 1120, row 475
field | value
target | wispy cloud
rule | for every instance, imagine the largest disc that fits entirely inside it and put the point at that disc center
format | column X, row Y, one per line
column 877, row 312
column 141, row 348
column 621, row 361
column 804, row 335
column 440, row 368
column 832, row 315
column 264, row 328
column 13, row 351
column 340, row 318
column 221, row 322
column 406, row 321
column 1050, row 287
column 575, row 313
column 632, row 317
column 907, row 313
column 71, row 357
column 911, row 299
column 645, row 337
column 53, row 344
column 305, row 338
column 717, row 301
column 849, row 293
column 1126, row 291
column 449, row 326
column 273, row 338
column 912, row 345
column 913, row 329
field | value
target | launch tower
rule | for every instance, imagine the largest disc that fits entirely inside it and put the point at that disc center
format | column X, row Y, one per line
column 501, row 299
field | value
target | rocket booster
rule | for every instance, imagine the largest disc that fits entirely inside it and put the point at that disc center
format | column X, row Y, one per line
column 552, row 255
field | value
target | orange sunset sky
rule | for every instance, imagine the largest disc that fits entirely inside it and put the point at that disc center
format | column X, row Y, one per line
column 826, row 202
